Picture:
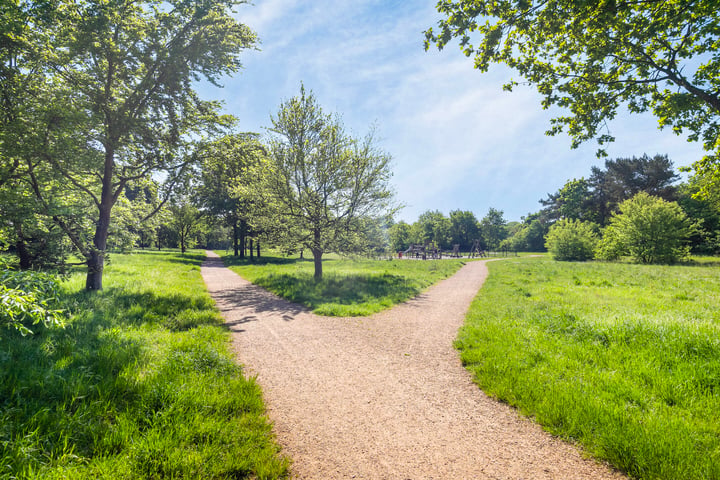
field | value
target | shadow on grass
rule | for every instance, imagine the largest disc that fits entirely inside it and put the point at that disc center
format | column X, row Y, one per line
column 231, row 261
column 385, row 289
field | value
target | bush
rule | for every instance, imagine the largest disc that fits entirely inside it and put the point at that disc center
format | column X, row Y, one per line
column 648, row 229
column 571, row 240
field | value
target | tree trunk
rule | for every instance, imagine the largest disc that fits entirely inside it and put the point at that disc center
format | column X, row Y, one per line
column 235, row 237
column 22, row 250
column 251, row 248
column 96, row 259
column 242, row 238
column 258, row 249
column 317, row 259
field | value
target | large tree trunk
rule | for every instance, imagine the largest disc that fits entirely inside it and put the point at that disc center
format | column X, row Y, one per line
column 96, row 259
column 317, row 259
column 258, row 248
column 251, row 249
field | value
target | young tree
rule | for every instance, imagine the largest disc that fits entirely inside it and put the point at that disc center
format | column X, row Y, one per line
column 592, row 57
column 572, row 240
column 185, row 221
column 124, row 72
column 324, row 182
column 399, row 236
column 649, row 229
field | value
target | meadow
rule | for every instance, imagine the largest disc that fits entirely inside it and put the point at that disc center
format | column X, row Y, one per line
column 139, row 384
column 623, row 359
column 350, row 286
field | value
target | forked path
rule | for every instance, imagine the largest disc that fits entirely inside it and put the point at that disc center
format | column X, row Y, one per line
column 385, row 396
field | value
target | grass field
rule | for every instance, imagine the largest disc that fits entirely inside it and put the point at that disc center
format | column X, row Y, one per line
column 624, row 359
column 140, row 384
column 350, row 287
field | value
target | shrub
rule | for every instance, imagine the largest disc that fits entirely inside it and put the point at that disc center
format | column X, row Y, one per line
column 571, row 240
column 648, row 229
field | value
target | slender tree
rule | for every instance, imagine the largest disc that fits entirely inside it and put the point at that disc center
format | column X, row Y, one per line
column 326, row 184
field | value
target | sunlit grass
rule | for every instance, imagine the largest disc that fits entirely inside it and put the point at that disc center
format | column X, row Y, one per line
column 140, row 384
column 350, row 287
column 622, row 358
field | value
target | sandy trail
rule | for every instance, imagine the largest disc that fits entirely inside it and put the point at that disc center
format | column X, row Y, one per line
column 385, row 396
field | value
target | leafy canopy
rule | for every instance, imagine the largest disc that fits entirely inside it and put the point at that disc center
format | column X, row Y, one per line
column 592, row 57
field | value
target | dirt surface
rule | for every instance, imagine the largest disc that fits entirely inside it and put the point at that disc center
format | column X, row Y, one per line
column 385, row 396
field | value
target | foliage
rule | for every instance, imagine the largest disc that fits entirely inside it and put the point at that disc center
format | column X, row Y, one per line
column 572, row 201
column 185, row 221
column 230, row 185
column 432, row 227
column 492, row 227
column 140, row 384
column 350, row 287
column 572, row 240
column 649, row 229
column 29, row 297
column 464, row 229
column 325, row 184
column 113, row 103
column 399, row 236
column 620, row 358
column 593, row 57
column 596, row 198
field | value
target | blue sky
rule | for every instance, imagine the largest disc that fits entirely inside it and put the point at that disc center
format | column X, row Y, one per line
column 458, row 141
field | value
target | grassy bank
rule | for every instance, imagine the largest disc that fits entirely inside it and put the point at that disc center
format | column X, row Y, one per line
column 349, row 287
column 140, row 384
column 623, row 358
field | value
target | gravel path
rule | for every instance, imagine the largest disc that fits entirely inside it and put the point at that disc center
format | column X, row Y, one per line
column 385, row 396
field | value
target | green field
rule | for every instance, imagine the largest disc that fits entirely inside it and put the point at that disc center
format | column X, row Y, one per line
column 624, row 359
column 140, row 384
column 350, row 287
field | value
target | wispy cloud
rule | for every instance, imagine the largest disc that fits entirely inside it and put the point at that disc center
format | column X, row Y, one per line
column 458, row 140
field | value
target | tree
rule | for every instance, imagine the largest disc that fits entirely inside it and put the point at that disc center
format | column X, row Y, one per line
column 492, row 227
column 572, row 201
column 399, row 236
column 229, row 183
column 185, row 221
column 433, row 227
column 649, row 229
column 593, row 57
column 624, row 178
column 121, row 73
column 464, row 229
column 572, row 240
column 325, row 183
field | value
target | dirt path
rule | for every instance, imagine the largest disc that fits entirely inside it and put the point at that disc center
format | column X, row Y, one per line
column 384, row 397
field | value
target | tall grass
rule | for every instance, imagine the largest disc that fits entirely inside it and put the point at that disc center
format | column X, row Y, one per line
column 140, row 384
column 624, row 359
column 349, row 287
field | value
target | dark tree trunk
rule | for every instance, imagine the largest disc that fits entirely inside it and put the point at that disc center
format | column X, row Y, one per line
column 251, row 248
column 242, row 238
column 236, row 233
column 317, row 259
column 22, row 250
column 96, row 259
column 317, row 254
column 257, row 243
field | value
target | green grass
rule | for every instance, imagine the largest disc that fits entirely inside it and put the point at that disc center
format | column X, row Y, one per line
column 350, row 287
column 624, row 359
column 140, row 384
